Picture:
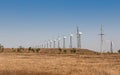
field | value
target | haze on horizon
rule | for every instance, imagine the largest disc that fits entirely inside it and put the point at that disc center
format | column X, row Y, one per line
column 31, row 22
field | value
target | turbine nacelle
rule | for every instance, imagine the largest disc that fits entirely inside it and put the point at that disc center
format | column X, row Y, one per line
column 79, row 33
column 71, row 35
column 64, row 37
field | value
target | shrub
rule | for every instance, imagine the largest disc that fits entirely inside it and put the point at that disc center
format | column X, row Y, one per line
column 20, row 49
column 30, row 49
column 119, row 51
column 60, row 50
column 73, row 50
column 38, row 50
column 13, row 50
column 65, row 51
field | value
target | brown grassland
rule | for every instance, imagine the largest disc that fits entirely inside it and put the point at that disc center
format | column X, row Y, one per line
column 59, row 64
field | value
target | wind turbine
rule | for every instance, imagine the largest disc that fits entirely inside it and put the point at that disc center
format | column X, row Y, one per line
column 71, row 36
column 64, row 42
column 42, row 45
column 78, row 38
column 47, row 43
column 51, row 43
column 59, row 42
column 54, row 45
column 111, row 47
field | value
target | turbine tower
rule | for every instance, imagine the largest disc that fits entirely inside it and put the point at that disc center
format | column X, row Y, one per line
column 50, row 43
column 42, row 45
column 58, row 42
column 101, row 39
column 47, row 43
column 78, row 38
column 71, row 36
column 64, row 41
column 54, row 45
column 111, row 47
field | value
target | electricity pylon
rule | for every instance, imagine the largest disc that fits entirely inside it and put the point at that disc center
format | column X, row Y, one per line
column 101, row 39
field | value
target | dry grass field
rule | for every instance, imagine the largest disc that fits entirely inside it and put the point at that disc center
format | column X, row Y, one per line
column 59, row 64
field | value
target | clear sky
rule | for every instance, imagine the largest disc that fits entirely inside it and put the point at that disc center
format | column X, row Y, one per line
column 31, row 22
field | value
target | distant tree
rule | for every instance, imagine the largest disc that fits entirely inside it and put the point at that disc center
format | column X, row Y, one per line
column 119, row 51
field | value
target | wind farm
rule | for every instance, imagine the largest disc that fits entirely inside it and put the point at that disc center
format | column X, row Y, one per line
column 59, row 37
column 54, row 46
column 52, row 57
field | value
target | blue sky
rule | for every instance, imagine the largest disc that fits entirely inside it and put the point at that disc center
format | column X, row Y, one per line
column 31, row 22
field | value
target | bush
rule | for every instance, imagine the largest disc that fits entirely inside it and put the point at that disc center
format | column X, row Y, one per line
column 73, row 50
column 30, row 49
column 60, row 50
column 20, row 49
column 38, row 50
column 119, row 51
column 13, row 50
column 65, row 51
